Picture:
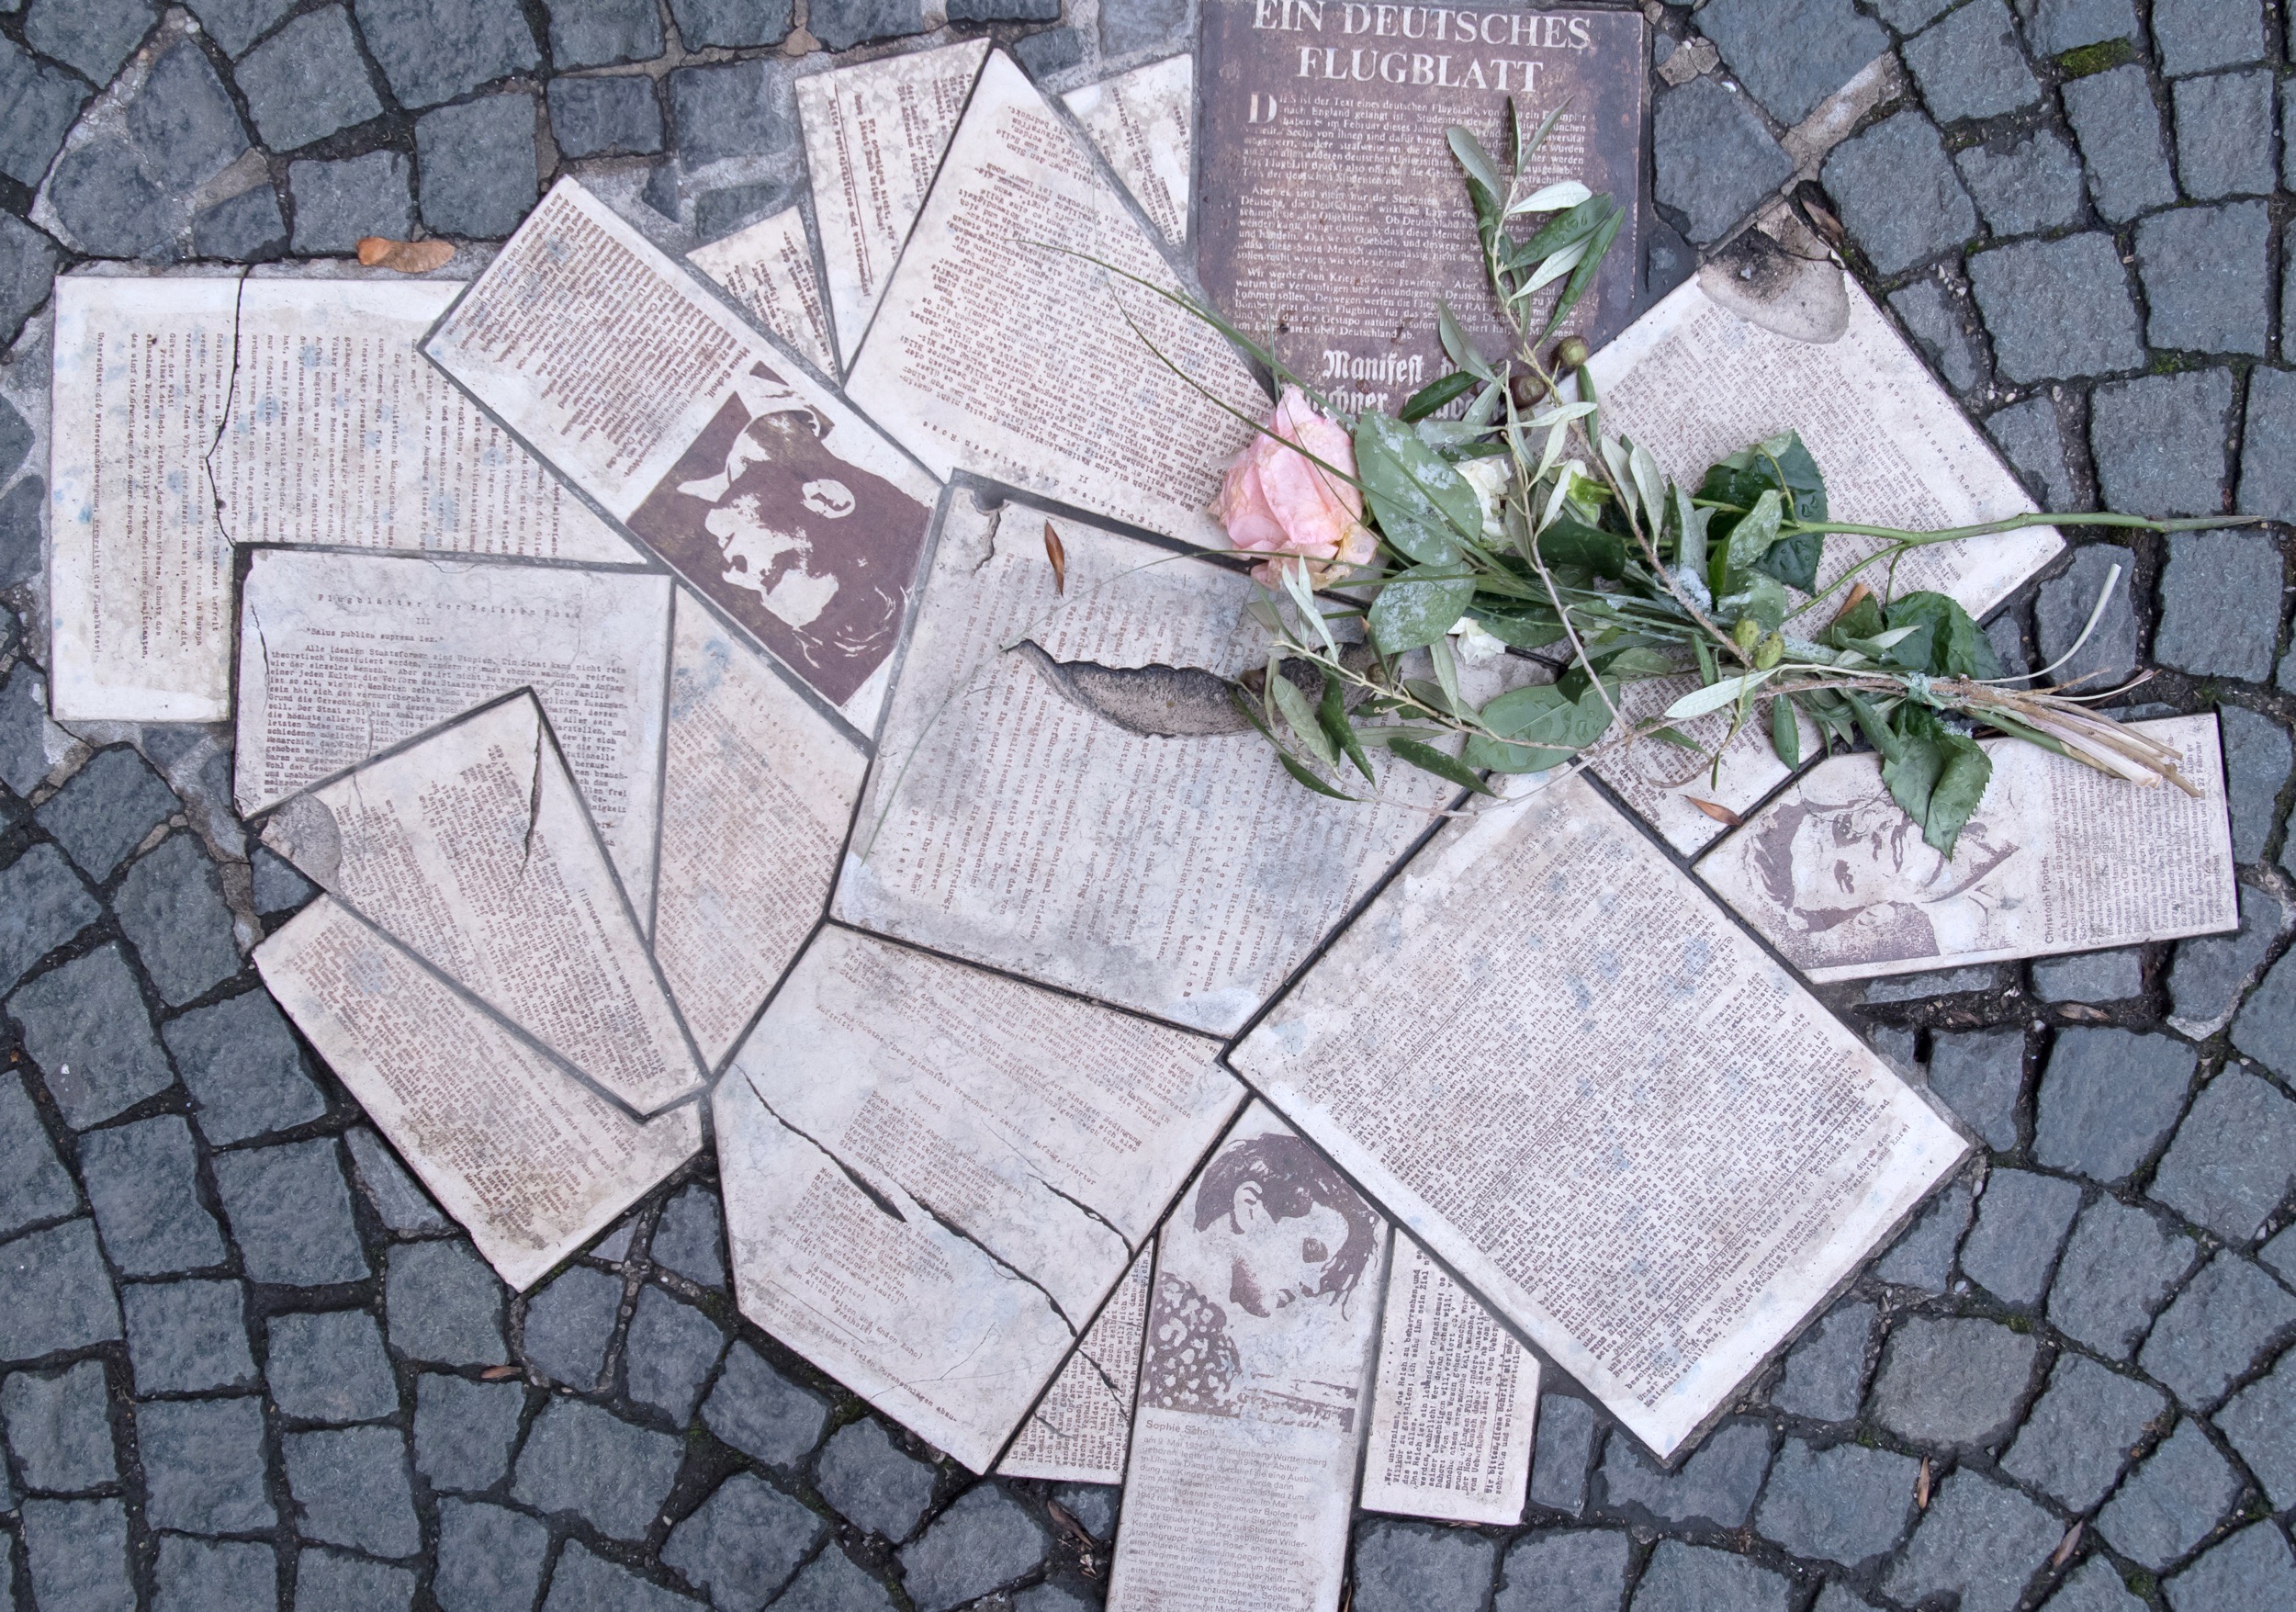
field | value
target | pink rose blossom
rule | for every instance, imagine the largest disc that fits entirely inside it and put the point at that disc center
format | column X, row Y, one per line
column 1277, row 499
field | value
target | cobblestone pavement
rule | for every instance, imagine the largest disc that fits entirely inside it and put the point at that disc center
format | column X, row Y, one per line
column 245, row 1363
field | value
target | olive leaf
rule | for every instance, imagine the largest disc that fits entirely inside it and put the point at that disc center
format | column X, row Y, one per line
column 1423, row 505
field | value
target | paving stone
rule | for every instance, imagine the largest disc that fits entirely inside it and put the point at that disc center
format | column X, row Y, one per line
column 1019, row 11
column 245, row 1073
column 612, row 1473
column 77, row 1552
column 2090, row 977
column 2193, row 36
column 1410, row 1566
column 584, row 1582
column 1969, row 65
column 488, row 1557
column 1898, row 195
column 1692, row 1578
column 2108, row 1098
column 42, row 905
column 183, row 121
column 2023, row 182
column 719, row 213
column 2224, row 136
column 60, row 1428
column 2218, row 1327
column 2055, row 308
column 2261, row 1423
column 441, row 1302
column 1052, row 52
column 2234, row 1156
column 291, row 1213
column 1825, row 1373
column 1846, row 1504
column 2253, row 1568
column 23, row 696
column 1716, row 159
column 570, row 1325
column 2280, row 1254
column 732, row 22
column 728, row 110
column 203, row 1466
column 872, row 1481
column 1790, row 56
column 278, row 888
column 464, row 1430
column 350, row 1488
column 15, row 440
column 171, row 907
column 2172, row 1501
column 2021, row 1222
column 1142, row 24
column 2208, row 975
column 2159, row 442
column 1054, row 1597
column 27, row 267
column 1979, row 1538
column 33, row 1183
column 207, row 1575
column 398, row 1200
column 1092, row 1504
column 1933, row 315
column 832, row 1583
column 2094, row 1586
column 187, row 1336
column 237, row 24
column 1979, row 1074
column 690, row 1237
column 985, row 1539
column 1564, row 1570
column 2119, row 1267
column 1910, row 17
column 432, row 51
column 325, row 1582
column 2121, row 135
column 91, row 37
column 54, row 1293
column 330, row 1367
column 2267, row 463
column 20, row 559
column 672, row 1349
column 761, row 1413
column 2207, row 278
column 143, row 1182
column 2057, row 26
column 306, row 81
column 2108, row 655
column 2264, row 1028
column 85, row 1026
column 106, row 202
column 604, row 117
column 2256, row 751
column 1923, row 1254
column 41, row 103
column 599, row 33
column 480, row 172
column 337, row 204
column 107, row 809
column 246, row 228
column 1716, row 1484
column 842, row 23
column 744, row 1543
column 1952, row 1379
column 1562, row 1446
column 2081, row 1431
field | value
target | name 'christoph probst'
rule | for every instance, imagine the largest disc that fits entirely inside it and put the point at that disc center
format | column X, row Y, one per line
column 1434, row 25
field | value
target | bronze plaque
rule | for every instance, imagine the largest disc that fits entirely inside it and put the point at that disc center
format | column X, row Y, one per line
column 1332, row 213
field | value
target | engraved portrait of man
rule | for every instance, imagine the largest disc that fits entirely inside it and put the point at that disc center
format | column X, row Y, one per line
column 1272, row 1234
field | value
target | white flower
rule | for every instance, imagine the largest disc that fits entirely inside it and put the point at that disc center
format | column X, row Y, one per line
column 1476, row 646
column 1490, row 477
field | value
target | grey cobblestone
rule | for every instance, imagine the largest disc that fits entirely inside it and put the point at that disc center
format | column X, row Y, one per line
column 142, row 1180
column 2090, row 977
column 2260, row 1424
column 842, row 23
column 91, row 37
column 350, row 1488
column 1979, row 1538
column 336, row 203
column 2217, row 1329
column 2081, row 1432
column 432, row 51
column 2194, row 35
column 1934, row 314
column 2095, row 1586
column 582, row 1459
column 1564, row 1570
column 397, row 1201
column 2233, row 1158
column 690, row 1238
column 1979, row 1074
column 728, row 111
column 761, row 1413
column 171, row 908
column 2207, row 277
column 2120, row 131
column 330, row 1367
column 2057, row 26
column 441, row 1303
column 464, row 1430
column 2118, row 1268
column 744, row 1543
column 570, row 1325
column 2264, row 1028
column 237, row 24
column 616, row 115
column 1969, row 65
column 488, row 1557
column 245, row 1073
column 1563, row 1444
column 732, row 22
column 2208, row 974
column 42, row 905
column 210, row 1575
column 306, row 81
column 480, row 169
column 1407, row 1566
column 325, row 1582
column 54, row 1293
column 1923, row 1254
column 2160, row 442
column 597, row 33
column 77, row 1551
column 2023, row 183
column 42, row 103
column 1694, row 1578
column 2022, row 1221
column 187, row 1336
column 2055, row 309
column 871, row 1482
column 672, row 1351
column 1953, row 1380
column 2256, row 751
column 246, row 228
column 291, row 1213
column 107, row 809
column 1794, row 55
column 204, row 1466
column 85, row 1026
column 1716, row 159
column 2224, row 135
column 33, row 1183
column 1825, row 1373
column 586, row 1582
column 2172, row 1501
column 1846, row 1504
column 1716, row 1484
column 984, row 1540
column 832, row 1583
column 1898, row 195
column 60, row 1430
column 23, row 698
column 2108, row 1099
column 2253, row 1568
column 278, row 888
column 2268, row 457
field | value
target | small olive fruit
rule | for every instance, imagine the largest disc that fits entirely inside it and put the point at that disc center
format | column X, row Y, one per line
column 1771, row 650
column 1571, row 352
column 1744, row 632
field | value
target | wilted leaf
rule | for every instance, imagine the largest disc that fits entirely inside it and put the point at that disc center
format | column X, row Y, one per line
column 1921, row 1487
column 2066, row 1546
column 1720, row 814
column 1065, row 1520
column 408, row 257
column 1055, row 552
column 498, row 1373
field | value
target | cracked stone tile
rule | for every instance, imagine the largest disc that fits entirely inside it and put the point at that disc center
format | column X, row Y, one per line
column 2021, row 1223
column 46, row 904
column 2079, row 1438
column 142, row 1180
column 586, row 1582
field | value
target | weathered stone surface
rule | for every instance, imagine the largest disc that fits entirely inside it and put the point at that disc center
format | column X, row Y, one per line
column 2267, row 454
column 1405, row 1566
column 1825, row 1373
column 480, row 171
column 2194, row 35
column 85, row 1026
column 107, row 809
column 2081, row 1431
column 832, row 1583
column 2055, row 309
column 585, row 1583
column 744, row 1543
column 1792, row 56
column 1898, row 194
column 42, row 905
column 2160, row 441
column 306, row 81
column 1952, row 1379
column 2090, row 977
column 60, row 1428
column 2021, row 1222
column 872, row 1481
column 1969, row 64
column 20, row 559
column 1562, row 1446
column 398, row 1202
column 2023, row 182
column 690, row 1238
column 108, row 204
column 1934, row 316
column 203, row 1466
column 1979, row 1538
column 27, row 267
column 2108, row 1098
column 1053, row 52
column 842, row 23
column 2208, row 975
column 464, row 1430
column 761, row 1413
column 2264, row 1028
column 732, row 22
column 2207, row 277
column 1716, row 1484
column 350, row 1488
column 2094, row 1586
column 2252, row 1568
column 729, row 110
column 2219, row 1326
column 1923, row 1254
column 721, row 211
column 42, row 104
column 570, row 1322
column 1027, row 11
column 207, row 1575
column 671, row 1350
column 278, row 888
column 33, row 1183
column 488, row 1557
column 183, row 121
column 1716, row 158
column 1693, row 1578
column 1979, row 1074
column 604, row 117
column 187, row 1336
column 2256, row 751
column 246, row 228
column 2261, row 1423
column 441, row 1302
column 338, row 203
column 432, row 51
column 291, row 1213
column 91, row 37
column 2120, row 131
column 2233, row 1158
column 245, row 1073
column 2280, row 1254
column 1564, row 1570
column 237, row 24
column 2172, row 1501
column 1141, row 26
column 598, row 33
column 171, row 907
column 612, row 1473
column 330, row 1367
column 2118, row 1267
column 325, row 1582
column 985, row 1539
column 24, row 696
column 77, row 1551
column 54, row 1293
column 142, row 1180
column 2110, row 654
column 1846, row 1504
column 1092, row 1504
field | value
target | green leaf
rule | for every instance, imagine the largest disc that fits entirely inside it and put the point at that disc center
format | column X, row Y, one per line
column 1433, row 396
column 1751, row 538
column 1878, row 733
column 1300, row 717
column 1957, row 793
column 1428, row 759
column 1548, row 717
column 1496, row 755
column 1794, row 561
column 1583, row 276
column 1861, row 621
column 1951, row 645
column 1565, row 542
column 1707, row 670
column 1331, row 715
column 1484, row 187
column 1636, row 662
column 1785, row 737
column 1715, row 696
column 1913, row 772
column 1456, row 345
column 1302, row 776
column 1413, row 611
column 1529, row 629
column 1779, row 465
column 1761, row 598
column 1564, row 230
column 1690, row 534
column 1423, row 504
